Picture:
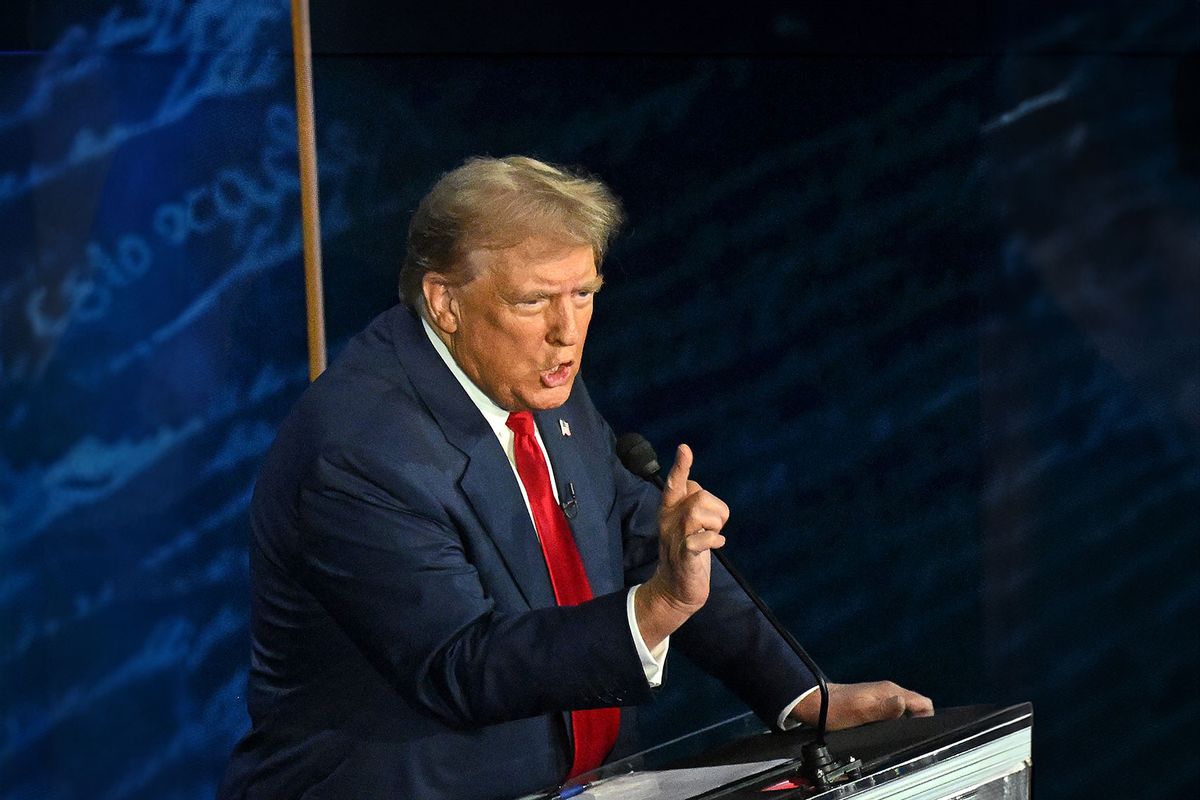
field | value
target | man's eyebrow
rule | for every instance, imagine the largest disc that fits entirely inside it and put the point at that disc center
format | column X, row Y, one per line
column 590, row 285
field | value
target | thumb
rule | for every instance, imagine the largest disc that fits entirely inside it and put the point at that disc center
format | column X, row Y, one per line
column 677, row 478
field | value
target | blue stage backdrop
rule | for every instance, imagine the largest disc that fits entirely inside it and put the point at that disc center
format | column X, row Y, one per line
column 930, row 317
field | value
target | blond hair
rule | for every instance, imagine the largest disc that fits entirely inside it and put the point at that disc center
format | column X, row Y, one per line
column 498, row 203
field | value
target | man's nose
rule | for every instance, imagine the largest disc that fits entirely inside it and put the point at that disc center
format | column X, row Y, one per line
column 562, row 327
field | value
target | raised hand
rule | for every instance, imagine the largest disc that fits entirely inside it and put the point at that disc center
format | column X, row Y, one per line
column 689, row 525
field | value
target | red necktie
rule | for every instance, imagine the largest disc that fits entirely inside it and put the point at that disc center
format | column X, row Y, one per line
column 594, row 729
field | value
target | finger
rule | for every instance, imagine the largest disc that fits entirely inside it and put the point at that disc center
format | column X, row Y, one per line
column 699, row 517
column 677, row 478
column 891, row 707
column 918, row 705
column 718, row 506
column 703, row 540
column 700, row 500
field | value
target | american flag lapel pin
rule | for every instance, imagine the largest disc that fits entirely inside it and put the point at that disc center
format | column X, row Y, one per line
column 564, row 427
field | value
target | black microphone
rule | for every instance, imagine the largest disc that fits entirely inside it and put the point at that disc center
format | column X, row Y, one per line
column 570, row 506
column 818, row 765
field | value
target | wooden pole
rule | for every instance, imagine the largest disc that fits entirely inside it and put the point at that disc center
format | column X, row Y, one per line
column 309, row 209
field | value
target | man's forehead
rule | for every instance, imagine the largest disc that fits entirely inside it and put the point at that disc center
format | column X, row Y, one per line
column 539, row 262
column 545, row 248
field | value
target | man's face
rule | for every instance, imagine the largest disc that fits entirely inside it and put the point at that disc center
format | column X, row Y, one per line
column 517, row 327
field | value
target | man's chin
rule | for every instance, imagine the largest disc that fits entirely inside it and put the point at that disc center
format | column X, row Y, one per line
column 545, row 398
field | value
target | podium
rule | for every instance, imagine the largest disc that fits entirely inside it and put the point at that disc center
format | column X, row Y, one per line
column 963, row 753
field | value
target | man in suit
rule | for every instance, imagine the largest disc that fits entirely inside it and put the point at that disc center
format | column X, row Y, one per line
column 457, row 586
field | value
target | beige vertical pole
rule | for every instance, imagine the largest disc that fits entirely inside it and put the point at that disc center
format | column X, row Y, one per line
column 310, row 217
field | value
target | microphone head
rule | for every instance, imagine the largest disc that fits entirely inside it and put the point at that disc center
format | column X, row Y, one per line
column 637, row 455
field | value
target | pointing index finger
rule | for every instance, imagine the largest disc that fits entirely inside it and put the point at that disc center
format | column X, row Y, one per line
column 677, row 478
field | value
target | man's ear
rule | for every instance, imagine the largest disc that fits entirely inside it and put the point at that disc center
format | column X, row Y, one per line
column 440, row 302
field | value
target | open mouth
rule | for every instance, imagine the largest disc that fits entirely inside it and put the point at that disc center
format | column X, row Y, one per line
column 558, row 375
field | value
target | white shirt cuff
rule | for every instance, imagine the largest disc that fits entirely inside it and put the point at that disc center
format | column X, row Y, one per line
column 653, row 661
column 786, row 720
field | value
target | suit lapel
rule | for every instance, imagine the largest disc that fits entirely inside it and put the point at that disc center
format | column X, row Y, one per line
column 588, row 523
column 491, row 488
column 487, row 482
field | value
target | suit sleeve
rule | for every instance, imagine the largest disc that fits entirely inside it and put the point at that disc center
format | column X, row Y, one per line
column 399, row 581
column 728, row 638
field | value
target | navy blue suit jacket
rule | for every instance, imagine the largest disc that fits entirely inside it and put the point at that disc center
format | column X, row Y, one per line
column 406, row 642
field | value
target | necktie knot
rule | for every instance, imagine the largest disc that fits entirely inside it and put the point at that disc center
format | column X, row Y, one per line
column 520, row 423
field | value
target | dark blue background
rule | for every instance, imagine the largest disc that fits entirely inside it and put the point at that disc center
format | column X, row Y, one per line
column 921, row 288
